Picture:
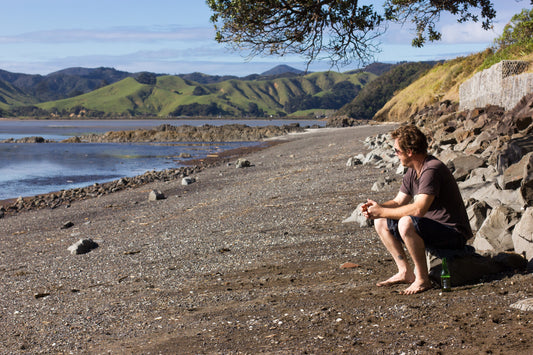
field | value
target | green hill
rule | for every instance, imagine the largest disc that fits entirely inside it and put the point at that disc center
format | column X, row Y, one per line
column 11, row 96
column 175, row 96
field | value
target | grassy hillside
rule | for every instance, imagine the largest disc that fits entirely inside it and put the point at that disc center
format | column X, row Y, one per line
column 11, row 96
column 379, row 91
column 232, row 97
column 443, row 81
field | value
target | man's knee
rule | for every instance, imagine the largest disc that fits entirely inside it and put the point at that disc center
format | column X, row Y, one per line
column 380, row 224
column 406, row 226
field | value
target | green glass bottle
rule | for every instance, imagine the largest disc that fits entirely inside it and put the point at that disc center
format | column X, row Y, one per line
column 445, row 278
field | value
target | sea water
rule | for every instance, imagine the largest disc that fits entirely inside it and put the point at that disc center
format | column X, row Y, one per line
column 28, row 169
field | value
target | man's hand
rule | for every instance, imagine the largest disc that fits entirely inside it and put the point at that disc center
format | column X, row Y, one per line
column 371, row 209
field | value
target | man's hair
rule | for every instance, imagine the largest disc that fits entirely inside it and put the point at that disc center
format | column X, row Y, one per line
column 411, row 138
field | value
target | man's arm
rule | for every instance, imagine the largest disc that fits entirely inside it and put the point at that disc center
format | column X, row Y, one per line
column 398, row 207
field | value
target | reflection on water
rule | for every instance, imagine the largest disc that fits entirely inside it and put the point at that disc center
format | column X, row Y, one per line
column 30, row 169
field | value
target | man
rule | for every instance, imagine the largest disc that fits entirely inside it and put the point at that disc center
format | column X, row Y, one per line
column 428, row 211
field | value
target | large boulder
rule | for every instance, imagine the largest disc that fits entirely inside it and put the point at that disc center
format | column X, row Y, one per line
column 477, row 213
column 523, row 236
column 526, row 187
column 514, row 175
column 464, row 164
column 496, row 231
column 468, row 267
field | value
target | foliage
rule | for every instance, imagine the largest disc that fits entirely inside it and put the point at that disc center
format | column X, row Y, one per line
column 341, row 30
column 518, row 30
column 200, row 91
column 196, row 109
column 378, row 92
column 424, row 14
column 341, row 93
column 515, row 41
column 146, row 78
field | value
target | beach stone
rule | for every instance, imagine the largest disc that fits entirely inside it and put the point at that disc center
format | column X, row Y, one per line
column 477, row 213
column 464, row 164
column 522, row 236
column 67, row 225
column 358, row 218
column 496, row 231
column 156, row 195
column 82, row 246
column 188, row 180
column 242, row 163
column 526, row 187
column 524, row 305
column 465, row 265
column 382, row 182
column 515, row 174
column 494, row 196
column 353, row 161
column 349, row 265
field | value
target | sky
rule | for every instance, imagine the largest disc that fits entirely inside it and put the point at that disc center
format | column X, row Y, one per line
column 177, row 37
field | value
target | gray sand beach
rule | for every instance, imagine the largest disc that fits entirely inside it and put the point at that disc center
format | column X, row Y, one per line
column 242, row 261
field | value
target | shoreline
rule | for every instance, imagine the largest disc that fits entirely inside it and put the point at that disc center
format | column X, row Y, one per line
column 201, row 163
column 197, row 164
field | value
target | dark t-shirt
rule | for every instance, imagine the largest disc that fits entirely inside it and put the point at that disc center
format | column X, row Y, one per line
column 437, row 180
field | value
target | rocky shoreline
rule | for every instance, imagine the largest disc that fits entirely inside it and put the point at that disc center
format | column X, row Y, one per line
column 54, row 200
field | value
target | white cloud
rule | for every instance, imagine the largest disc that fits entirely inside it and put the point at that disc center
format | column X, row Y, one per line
column 470, row 32
column 119, row 34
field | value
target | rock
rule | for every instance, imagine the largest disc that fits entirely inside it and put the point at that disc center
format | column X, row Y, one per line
column 523, row 305
column 358, row 218
column 188, row 180
column 514, row 174
column 526, row 187
column 523, row 236
column 382, row 182
column 349, row 265
column 156, row 195
column 242, row 163
column 372, row 158
column 477, row 213
column 67, row 225
column 496, row 231
column 464, row 164
column 510, row 260
column 494, row 196
column 465, row 266
column 83, row 246
column 354, row 161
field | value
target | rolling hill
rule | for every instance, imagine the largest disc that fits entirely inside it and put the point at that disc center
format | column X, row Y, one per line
column 172, row 95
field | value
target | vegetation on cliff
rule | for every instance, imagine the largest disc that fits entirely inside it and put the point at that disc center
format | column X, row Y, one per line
column 443, row 81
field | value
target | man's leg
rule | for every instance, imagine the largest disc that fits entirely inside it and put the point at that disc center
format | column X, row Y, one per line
column 394, row 246
column 416, row 248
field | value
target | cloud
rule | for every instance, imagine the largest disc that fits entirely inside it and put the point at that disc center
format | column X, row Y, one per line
column 470, row 32
column 117, row 34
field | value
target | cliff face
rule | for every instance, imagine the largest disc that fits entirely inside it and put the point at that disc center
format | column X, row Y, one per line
column 502, row 85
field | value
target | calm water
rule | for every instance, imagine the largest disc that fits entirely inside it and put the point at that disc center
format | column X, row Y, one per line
column 32, row 169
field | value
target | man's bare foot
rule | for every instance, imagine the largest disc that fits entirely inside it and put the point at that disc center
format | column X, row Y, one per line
column 399, row 278
column 417, row 287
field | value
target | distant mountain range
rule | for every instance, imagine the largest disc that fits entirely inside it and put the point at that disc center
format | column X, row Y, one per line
column 107, row 92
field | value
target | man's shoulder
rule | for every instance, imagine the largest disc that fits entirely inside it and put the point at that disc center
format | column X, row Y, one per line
column 433, row 162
